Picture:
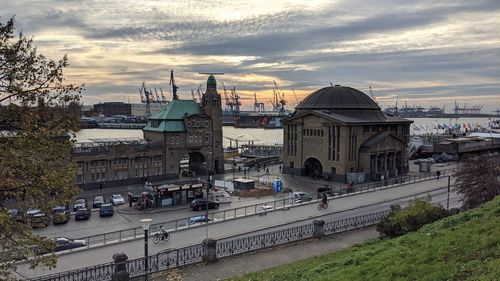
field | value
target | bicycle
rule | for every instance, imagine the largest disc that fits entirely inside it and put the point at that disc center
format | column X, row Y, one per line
column 322, row 205
column 159, row 237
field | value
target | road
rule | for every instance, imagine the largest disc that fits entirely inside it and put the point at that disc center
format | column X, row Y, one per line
column 338, row 209
column 121, row 221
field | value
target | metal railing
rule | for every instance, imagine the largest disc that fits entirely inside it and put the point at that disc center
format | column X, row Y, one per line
column 174, row 258
column 279, row 204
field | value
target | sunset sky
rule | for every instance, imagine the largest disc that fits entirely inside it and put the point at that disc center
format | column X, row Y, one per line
column 423, row 52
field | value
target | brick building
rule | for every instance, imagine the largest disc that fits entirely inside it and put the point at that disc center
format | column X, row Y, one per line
column 182, row 129
column 340, row 133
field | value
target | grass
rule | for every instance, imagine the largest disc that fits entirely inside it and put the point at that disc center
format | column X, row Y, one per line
column 461, row 247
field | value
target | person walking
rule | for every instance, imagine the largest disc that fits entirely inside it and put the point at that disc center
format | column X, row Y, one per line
column 438, row 174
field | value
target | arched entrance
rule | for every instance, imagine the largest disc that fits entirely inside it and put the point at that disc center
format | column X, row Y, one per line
column 312, row 168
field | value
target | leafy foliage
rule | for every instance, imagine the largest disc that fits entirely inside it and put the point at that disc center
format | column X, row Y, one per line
column 417, row 214
column 477, row 179
column 35, row 166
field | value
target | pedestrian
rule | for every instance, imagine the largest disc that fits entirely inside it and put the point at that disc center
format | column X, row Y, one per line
column 438, row 174
column 100, row 186
column 267, row 171
column 280, row 168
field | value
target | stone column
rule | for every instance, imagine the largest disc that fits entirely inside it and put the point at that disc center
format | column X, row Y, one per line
column 209, row 250
column 120, row 273
column 319, row 228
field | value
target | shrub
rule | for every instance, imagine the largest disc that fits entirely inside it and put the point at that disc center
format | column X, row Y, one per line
column 418, row 213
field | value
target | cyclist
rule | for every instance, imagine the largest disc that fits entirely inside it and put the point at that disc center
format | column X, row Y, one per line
column 163, row 233
column 324, row 200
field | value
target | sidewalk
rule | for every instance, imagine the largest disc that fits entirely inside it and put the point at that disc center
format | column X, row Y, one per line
column 239, row 265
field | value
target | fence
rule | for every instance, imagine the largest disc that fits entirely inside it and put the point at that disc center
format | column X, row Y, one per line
column 174, row 258
column 217, row 216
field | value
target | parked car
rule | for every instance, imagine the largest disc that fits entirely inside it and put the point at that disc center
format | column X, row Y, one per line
column 201, row 204
column 79, row 204
column 98, row 201
column 60, row 215
column 82, row 214
column 117, row 199
column 15, row 214
column 300, row 196
column 106, row 210
column 36, row 218
column 198, row 220
column 63, row 243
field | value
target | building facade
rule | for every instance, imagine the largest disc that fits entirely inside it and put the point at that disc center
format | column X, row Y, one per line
column 181, row 129
column 341, row 134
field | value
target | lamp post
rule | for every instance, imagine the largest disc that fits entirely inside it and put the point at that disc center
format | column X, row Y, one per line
column 448, row 195
column 145, row 226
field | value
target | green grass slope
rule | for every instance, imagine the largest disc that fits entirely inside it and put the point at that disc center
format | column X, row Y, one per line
column 461, row 247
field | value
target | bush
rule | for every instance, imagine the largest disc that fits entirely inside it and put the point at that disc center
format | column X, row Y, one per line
column 418, row 213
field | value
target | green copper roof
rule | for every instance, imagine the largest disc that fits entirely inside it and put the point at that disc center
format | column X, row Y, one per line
column 170, row 118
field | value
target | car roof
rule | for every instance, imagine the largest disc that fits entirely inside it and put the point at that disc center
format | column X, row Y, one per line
column 80, row 200
column 116, row 195
column 107, row 205
column 99, row 197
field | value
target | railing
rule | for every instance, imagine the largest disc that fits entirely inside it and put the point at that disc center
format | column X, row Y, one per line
column 225, row 248
column 284, row 203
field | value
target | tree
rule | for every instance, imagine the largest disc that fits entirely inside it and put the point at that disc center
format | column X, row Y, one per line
column 477, row 179
column 35, row 166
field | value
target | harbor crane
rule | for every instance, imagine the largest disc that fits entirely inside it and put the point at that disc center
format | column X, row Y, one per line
column 174, row 87
column 372, row 95
column 279, row 99
column 258, row 106
column 295, row 95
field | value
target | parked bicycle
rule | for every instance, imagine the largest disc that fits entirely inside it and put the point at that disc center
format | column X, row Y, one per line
column 322, row 205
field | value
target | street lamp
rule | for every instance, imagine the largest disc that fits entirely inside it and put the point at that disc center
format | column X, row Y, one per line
column 145, row 226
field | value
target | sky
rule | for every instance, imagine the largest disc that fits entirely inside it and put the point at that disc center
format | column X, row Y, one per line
column 428, row 53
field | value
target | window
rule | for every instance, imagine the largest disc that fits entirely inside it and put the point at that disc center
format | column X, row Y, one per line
column 291, row 164
column 206, row 123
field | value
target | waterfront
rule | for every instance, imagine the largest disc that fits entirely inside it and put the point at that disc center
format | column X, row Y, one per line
column 275, row 136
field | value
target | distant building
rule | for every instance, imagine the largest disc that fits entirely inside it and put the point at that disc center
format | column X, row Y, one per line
column 113, row 108
column 182, row 128
column 340, row 133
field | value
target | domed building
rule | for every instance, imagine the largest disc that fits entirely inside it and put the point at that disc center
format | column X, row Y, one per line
column 341, row 134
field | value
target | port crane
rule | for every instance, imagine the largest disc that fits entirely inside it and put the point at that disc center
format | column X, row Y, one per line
column 174, row 87
column 258, row 106
column 278, row 101
column 295, row 95
column 372, row 95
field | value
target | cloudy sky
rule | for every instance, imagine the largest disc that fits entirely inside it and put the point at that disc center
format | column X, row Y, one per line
column 427, row 52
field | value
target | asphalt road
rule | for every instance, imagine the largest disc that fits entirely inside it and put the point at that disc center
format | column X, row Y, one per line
column 356, row 205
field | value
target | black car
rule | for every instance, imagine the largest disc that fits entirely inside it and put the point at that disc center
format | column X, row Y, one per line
column 98, row 201
column 328, row 190
column 82, row 214
column 201, row 204
column 63, row 243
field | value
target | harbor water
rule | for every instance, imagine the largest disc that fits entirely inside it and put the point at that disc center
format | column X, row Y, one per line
column 275, row 136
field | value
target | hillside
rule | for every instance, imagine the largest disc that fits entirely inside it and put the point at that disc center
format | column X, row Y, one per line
column 461, row 247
